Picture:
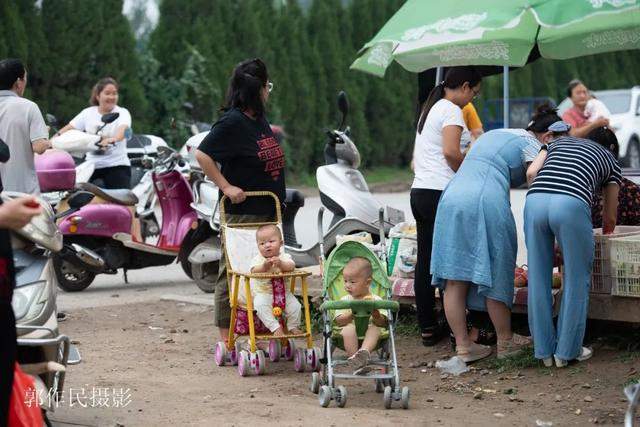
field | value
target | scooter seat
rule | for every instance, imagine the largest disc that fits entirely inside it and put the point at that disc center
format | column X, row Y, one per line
column 294, row 198
column 121, row 197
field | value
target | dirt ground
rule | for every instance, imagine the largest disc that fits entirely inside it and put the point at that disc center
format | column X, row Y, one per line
column 159, row 356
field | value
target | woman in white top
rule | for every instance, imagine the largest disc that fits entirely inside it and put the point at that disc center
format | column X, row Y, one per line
column 112, row 165
column 441, row 141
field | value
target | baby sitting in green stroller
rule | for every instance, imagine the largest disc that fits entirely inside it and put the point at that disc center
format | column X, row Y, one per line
column 357, row 276
column 359, row 317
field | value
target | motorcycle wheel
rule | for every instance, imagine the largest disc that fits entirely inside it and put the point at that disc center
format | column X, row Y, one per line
column 185, row 248
column 205, row 276
column 71, row 278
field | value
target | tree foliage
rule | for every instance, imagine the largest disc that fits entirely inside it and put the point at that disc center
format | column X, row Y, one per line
column 308, row 46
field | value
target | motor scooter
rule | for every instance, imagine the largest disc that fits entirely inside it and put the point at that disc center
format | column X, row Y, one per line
column 343, row 191
column 109, row 231
column 43, row 351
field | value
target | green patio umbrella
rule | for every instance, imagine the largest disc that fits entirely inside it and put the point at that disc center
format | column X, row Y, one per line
column 427, row 33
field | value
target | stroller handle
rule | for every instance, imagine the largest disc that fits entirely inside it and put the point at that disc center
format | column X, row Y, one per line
column 361, row 305
column 267, row 194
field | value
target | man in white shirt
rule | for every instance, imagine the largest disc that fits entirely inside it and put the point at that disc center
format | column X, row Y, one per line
column 23, row 129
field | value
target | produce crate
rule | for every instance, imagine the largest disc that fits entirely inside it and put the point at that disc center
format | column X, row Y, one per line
column 625, row 263
column 602, row 274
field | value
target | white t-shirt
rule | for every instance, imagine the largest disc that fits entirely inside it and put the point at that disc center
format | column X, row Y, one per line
column 596, row 109
column 431, row 168
column 89, row 120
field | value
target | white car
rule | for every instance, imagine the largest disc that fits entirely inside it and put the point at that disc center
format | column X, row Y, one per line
column 624, row 105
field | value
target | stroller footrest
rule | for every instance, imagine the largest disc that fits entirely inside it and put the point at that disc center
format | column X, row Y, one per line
column 368, row 376
column 288, row 336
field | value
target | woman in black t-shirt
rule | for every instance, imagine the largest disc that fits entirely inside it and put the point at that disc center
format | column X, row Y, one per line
column 250, row 158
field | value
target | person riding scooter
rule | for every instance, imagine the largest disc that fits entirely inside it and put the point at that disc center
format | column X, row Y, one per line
column 112, row 165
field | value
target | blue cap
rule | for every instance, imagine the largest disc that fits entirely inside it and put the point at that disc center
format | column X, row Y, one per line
column 559, row 127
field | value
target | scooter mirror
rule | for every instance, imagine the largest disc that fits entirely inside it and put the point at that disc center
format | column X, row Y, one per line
column 188, row 107
column 109, row 118
column 4, row 152
column 51, row 120
column 164, row 151
column 343, row 106
column 80, row 199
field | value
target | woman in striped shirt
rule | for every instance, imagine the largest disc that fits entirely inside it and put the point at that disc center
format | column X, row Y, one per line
column 564, row 178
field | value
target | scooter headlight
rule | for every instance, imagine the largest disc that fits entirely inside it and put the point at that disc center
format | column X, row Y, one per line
column 42, row 229
column 27, row 302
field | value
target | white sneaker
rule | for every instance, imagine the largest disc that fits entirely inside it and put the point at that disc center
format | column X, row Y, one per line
column 548, row 361
column 585, row 354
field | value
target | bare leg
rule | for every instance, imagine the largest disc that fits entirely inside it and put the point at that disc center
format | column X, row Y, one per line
column 350, row 339
column 224, row 333
column 501, row 318
column 371, row 338
column 455, row 302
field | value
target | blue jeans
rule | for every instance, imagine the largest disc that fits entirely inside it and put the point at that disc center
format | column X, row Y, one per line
column 567, row 219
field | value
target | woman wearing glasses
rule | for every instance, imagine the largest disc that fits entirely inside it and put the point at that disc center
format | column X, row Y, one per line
column 250, row 158
column 441, row 141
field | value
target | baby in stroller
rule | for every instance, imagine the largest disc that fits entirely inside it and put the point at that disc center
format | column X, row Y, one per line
column 357, row 276
column 270, row 260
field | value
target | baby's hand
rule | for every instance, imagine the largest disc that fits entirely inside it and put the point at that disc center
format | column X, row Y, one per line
column 266, row 265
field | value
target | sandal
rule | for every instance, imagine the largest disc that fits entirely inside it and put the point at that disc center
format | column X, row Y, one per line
column 473, row 353
column 431, row 336
column 485, row 337
column 511, row 347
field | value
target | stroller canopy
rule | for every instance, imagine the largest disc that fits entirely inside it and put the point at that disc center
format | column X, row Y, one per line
column 333, row 282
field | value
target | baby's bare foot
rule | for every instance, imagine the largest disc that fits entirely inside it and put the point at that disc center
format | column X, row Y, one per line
column 295, row 331
column 278, row 332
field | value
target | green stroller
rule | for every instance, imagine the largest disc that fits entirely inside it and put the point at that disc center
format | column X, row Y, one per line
column 383, row 361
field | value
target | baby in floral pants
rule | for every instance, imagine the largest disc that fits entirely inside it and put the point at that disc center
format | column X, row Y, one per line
column 270, row 260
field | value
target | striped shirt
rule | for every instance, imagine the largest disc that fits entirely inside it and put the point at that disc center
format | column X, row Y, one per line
column 577, row 167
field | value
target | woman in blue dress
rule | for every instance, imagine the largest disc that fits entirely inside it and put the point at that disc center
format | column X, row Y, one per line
column 475, row 241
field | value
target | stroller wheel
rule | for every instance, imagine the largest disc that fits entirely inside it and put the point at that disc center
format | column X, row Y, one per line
column 341, row 396
column 324, row 396
column 221, row 353
column 405, row 397
column 379, row 386
column 313, row 359
column 243, row 363
column 387, row 397
column 275, row 350
column 258, row 362
column 235, row 354
column 315, row 383
column 290, row 350
column 299, row 362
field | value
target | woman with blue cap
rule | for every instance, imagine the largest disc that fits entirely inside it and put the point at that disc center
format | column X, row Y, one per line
column 475, row 240
column 563, row 180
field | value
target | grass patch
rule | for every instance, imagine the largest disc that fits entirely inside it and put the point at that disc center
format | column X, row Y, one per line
column 628, row 357
column 407, row 326
column 523, row 360
column 576, row 370
column 386, row 174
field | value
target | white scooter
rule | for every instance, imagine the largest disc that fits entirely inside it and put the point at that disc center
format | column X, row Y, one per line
column 43, row 351
column 343, row 191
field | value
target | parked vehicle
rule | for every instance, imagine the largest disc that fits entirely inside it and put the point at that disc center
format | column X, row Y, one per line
column 107, row 234
column 624, row 105
column 43, row 351
column 343, row 191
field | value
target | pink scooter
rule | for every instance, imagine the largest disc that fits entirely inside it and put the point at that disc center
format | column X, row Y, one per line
column 101, row 235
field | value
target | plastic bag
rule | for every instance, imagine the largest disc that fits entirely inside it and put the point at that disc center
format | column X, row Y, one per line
column 24, row 408
column 454, row 366
column 403, row 250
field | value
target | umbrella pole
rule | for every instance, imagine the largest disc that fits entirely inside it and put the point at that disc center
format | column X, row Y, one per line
column 505, row 97
column 438, row 75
